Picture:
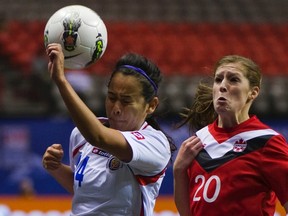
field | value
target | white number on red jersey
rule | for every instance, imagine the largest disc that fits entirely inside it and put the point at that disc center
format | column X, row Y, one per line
column 206, row 185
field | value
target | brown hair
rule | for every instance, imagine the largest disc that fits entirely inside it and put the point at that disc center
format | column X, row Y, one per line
column 202, row 111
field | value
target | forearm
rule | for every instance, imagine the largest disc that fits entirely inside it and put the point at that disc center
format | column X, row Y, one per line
column 181, row 192
column 83, row 117
column 90, row 127
column 64, row 176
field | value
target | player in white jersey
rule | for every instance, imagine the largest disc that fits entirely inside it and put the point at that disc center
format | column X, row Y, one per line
column 235, row 164
column 117, row 163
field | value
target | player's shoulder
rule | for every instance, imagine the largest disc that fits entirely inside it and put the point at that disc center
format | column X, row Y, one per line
column 152, row 132
column 75, row 132
column 146, row 133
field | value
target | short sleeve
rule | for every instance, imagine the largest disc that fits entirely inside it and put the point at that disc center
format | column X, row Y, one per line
column 75, row 142
column 151, row 151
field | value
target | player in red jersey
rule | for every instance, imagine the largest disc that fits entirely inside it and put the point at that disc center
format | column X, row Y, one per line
column 234, row 164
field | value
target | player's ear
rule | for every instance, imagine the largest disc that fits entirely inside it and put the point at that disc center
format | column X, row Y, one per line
column 152, row 105
column 254, row 92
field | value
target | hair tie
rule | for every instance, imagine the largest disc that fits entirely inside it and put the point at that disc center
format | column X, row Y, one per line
column 143, row 73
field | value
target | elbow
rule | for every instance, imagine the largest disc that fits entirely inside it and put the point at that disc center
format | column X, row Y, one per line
column 94, row 138
column 96, row 141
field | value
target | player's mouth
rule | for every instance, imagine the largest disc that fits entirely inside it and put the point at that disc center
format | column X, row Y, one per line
column 221, row 100
column 117, row 120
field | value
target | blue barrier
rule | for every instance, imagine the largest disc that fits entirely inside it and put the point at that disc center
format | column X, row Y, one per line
column 23, row 142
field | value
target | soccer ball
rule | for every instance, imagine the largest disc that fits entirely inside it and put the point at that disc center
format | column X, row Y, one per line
column 81, row 33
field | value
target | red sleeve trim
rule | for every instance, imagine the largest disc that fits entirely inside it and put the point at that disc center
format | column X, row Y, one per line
column 145, row 180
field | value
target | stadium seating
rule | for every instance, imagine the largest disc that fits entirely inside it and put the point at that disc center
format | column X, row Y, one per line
column 179, row 48
column 185, row 38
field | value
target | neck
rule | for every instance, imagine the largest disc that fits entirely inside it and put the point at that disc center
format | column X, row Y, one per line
column 229, row 122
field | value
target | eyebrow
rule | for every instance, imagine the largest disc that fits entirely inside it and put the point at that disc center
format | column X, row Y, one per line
column 229, row 73
column 121, row 95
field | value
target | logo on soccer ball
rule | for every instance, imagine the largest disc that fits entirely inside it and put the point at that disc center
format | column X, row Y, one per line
column 46, row 38
column 98, row 48
column 71, row 25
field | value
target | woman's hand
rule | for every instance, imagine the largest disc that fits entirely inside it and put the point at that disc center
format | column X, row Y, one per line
column 187, row 152
column 52, row 157
column 56, row 61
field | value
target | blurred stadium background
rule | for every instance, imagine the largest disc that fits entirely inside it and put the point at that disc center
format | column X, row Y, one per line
column 184, row 37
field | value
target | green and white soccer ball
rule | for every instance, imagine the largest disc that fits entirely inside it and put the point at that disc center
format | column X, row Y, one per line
column 81, row 33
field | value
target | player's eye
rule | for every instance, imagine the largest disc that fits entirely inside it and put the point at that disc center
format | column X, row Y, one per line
column 218, row 80
column 111, row 98
column 234, row 79
column 126, row 101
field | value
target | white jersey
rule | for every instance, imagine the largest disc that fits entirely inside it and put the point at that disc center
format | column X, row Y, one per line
column 106, row 186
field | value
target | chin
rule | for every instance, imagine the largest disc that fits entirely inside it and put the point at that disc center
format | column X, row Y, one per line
column 115, row 126
column 222, row 110
column 119, row 126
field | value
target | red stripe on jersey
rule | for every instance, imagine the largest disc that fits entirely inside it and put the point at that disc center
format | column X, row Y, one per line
column 75, row 151
column 145, row 126
column 145, row 180
column 222, row 134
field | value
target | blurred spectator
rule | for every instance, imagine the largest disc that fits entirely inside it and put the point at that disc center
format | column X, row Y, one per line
column 26, row 188
column 17, row 161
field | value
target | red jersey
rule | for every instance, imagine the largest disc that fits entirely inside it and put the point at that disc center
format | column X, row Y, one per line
column 240, row 171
